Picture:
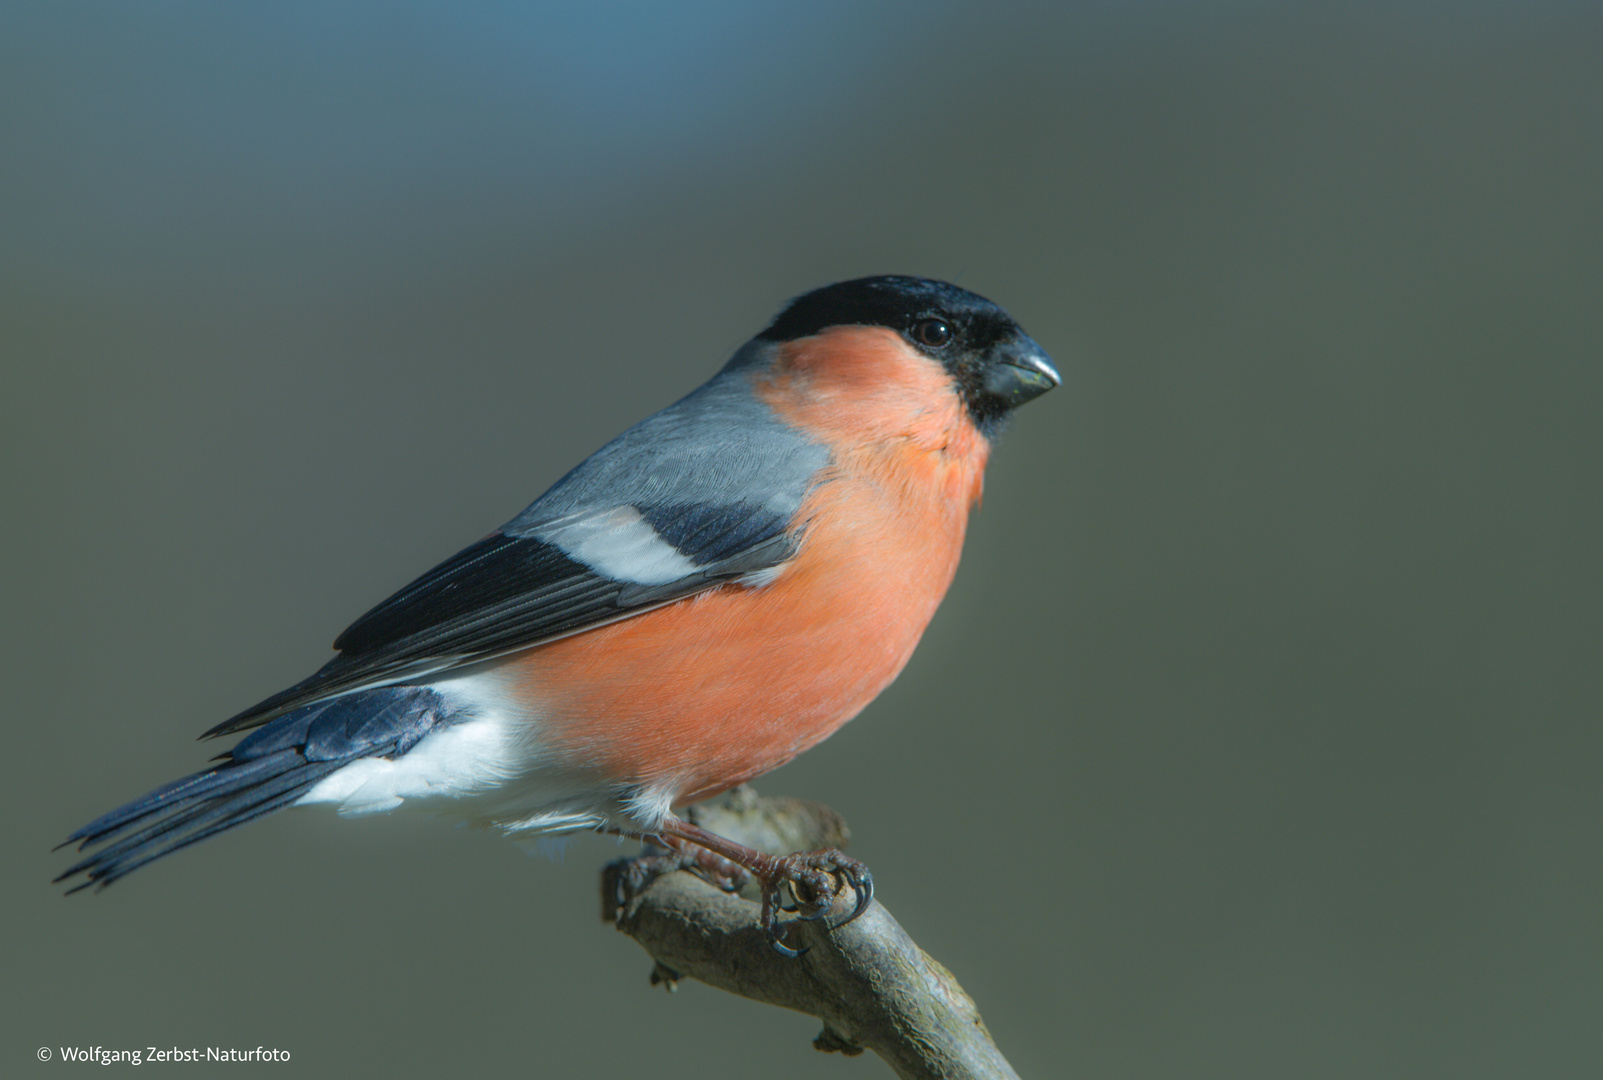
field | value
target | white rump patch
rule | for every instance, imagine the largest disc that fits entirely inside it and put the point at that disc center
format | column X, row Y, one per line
column 464, row 759
column 620, row 544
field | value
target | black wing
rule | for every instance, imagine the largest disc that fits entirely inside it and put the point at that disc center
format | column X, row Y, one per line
column 506, row 593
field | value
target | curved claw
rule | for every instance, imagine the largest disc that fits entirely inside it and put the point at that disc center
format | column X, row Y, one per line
column 771, row 928
column 863, row 884
column 785, row 950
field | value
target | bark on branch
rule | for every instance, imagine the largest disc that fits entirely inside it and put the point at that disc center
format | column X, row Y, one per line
column 867, row 981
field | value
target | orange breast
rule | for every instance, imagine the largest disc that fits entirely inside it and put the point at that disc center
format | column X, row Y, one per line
column 702, row 694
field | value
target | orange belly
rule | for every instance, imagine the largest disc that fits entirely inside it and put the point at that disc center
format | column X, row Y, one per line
column 705, row 693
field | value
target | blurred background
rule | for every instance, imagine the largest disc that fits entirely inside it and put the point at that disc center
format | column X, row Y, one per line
column 1259, row 735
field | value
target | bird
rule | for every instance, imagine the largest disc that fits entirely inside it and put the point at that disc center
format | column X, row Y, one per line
column 710, row 594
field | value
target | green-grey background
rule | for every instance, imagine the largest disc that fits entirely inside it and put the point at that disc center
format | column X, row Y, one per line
column 1259, row 735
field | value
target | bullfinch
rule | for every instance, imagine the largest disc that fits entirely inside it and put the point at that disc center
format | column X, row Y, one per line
column 708, row 595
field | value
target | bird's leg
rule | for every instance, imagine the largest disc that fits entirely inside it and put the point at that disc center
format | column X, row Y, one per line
column 811, row 875
column 665, row 854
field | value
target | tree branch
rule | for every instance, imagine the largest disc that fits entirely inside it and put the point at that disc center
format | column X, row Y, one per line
column 867, row 981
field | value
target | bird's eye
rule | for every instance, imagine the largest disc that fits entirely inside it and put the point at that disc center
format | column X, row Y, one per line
column 933, row 333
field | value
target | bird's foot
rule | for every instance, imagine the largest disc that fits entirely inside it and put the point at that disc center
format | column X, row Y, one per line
column 815, row 879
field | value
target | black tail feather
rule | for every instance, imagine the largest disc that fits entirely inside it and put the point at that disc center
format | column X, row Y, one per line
column 266, row 771
column 230, row 797
column 221, row 780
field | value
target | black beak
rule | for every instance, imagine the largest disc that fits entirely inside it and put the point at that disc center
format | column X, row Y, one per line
column 1019, row 370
